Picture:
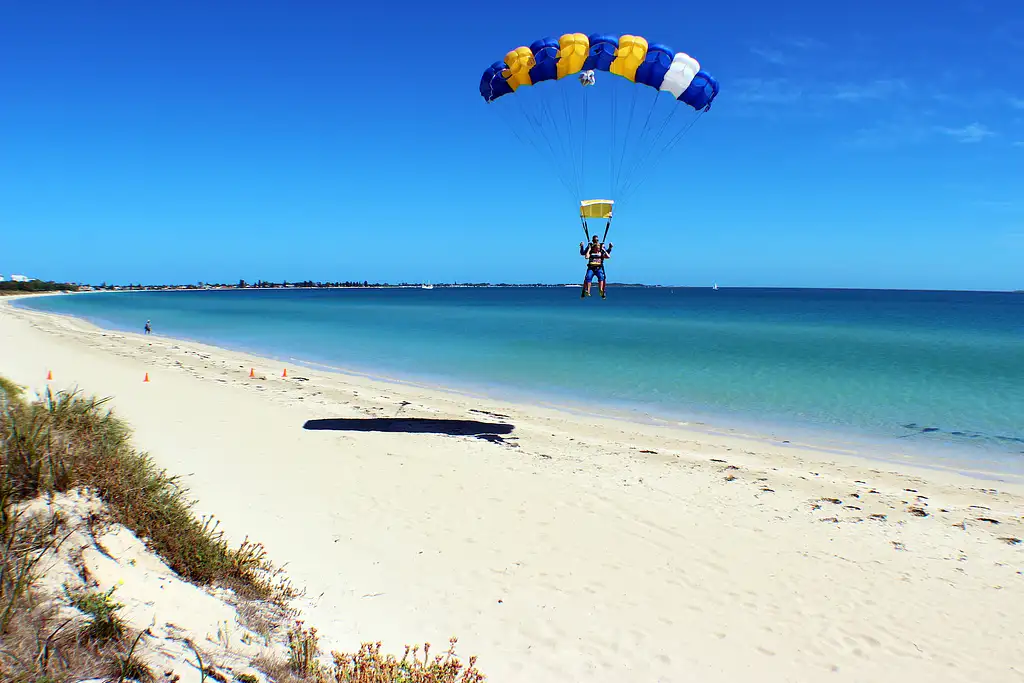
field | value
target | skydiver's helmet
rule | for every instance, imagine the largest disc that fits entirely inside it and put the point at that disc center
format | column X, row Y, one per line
column 587, row 78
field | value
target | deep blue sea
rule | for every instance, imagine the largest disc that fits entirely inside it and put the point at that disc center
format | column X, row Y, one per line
column 933, row 369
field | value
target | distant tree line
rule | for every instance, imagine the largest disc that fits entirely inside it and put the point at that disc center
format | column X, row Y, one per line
column 311, row 284
column 241, row 284
column 8, row 286
column 263, row 284
column 266, row 284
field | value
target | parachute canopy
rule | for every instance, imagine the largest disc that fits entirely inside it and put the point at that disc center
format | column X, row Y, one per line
column 651, row 64
column 599, row 136
column 596, row 208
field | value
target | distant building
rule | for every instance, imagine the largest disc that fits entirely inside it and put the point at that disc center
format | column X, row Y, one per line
column 1, row 278
column 19, row 278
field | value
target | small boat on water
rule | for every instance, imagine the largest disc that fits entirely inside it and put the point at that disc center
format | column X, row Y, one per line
column 426, row 285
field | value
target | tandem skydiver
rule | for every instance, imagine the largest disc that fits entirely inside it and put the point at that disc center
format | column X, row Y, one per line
column 595, row 253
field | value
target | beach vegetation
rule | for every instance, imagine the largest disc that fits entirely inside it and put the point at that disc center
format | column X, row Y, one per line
column 102, row 609
column 63, row 442
column 131, row 667
column 34, row 286
column 367, row 665
column 9, row 388
column 303, row 650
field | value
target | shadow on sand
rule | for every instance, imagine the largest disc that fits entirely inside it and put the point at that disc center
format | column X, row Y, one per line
column 412, row 425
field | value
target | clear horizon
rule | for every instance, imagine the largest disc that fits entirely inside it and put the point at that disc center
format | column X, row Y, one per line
column 252, row 285
column 196, row 143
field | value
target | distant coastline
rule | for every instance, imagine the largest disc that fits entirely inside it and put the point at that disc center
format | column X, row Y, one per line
column 383, row 285
column 40, row 286
column 494, row 285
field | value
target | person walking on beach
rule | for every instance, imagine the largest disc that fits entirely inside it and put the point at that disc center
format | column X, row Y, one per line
column 149, row 327
column 595, row 253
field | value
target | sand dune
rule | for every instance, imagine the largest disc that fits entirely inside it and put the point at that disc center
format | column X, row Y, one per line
column 560, row 546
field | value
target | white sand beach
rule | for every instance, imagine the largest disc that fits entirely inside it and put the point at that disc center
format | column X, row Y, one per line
column 570, row 547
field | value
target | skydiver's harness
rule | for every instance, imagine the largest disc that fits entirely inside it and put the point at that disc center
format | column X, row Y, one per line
column 595, row 259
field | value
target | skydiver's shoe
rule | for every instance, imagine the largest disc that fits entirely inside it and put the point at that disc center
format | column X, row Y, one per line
column 603, row 296
column 583, row 293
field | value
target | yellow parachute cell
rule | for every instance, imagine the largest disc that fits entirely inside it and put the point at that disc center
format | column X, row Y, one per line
column 573, row 49
column 519, row 61
column 630, row 55
column 596, row 208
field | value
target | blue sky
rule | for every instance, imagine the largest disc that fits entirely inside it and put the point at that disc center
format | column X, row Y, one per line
column 871, row 144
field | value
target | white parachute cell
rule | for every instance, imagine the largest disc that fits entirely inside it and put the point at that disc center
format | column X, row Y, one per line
column 680, row 74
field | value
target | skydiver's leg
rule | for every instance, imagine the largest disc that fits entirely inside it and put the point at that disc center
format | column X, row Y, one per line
column 586, row 282
column 601, row 281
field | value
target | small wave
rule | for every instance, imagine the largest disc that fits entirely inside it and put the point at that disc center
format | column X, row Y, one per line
column 960, row 434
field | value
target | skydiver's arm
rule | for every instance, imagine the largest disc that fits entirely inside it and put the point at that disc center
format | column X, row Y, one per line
column 585, row 251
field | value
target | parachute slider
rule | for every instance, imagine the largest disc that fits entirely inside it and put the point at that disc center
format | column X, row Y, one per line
column 596, row 208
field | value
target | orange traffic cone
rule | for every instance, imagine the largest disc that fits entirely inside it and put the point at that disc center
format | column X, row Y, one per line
column 147, row 378
column 252, row 373
column 285, row 373
column 49, row 374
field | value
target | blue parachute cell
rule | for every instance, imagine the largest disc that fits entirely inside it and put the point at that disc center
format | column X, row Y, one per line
column 701, row 92
column 655, row 65
column 492, row 84
column 545, row 51
column 602, row 51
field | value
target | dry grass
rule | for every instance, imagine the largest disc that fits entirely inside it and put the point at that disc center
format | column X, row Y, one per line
column 40, row 645
column 9, row 390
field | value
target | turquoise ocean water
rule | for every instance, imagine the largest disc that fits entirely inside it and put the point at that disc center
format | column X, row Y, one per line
column 936, row 370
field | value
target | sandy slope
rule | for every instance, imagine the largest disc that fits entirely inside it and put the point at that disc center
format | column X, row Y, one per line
column 174, row 615
column 573, row 548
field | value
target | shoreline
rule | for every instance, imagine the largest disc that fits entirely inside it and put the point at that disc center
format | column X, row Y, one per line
column 557, row 546
column 983, row 462
column 628, row 285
